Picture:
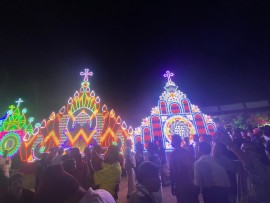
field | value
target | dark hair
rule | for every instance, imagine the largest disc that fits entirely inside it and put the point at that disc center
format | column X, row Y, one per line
column 56, row 186
column 204, row 148
column 15, row 177
column 145, row 170
column 138, row 147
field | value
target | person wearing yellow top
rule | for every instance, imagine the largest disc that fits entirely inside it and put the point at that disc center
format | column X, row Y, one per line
column 109, row 177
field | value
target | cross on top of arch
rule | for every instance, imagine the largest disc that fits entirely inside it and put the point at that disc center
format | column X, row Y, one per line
column 86, row 74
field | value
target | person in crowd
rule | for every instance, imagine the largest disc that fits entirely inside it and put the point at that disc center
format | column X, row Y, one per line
column 70, row 166
column 196, row 141
column 3, row 185
column 231, row 166
column 58, row 186
column 164, row 170
column 139, row 157
column 211, row 177
column 255, row 185
column 96, row 158
column 129, row 166
column 121, row 155
column 41, row 166
column 57, row 160
column 5, row 164
column 109, row 177
column 189, row 147
column 152, row 156
column 148, row 183
column 81, row 168
column 181, row 166
column 17, row 194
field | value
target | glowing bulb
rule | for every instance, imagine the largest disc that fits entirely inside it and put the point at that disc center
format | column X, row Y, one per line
column 31, row 119
column 43, row 124
column 104, row 108
column 62, row 110
column 97, row 100
column 112, row 113
column 36, row 131
column 92, row 94
column 124, row 125
column 130, row 130
column 52, row 116
column 118, row 120
column 26, row 137
column 70, row 100
column 76, row 94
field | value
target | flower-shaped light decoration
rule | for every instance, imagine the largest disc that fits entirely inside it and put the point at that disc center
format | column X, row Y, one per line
column 180, row 128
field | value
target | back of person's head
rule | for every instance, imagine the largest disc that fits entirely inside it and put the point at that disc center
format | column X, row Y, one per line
column 69, row 166
column 186, row 139
column 3, row 184
column 266, row 131
column 56, row 186
column 76, row 155
column 60, row 151
column 176, row 141
column 138, row 147
column 152, row 148
column 148, row 175
column 257, row 151
column 111, row 155
column 204, row 148
column 128, row 143
column 196, row 138
column 97, row 149
column 65, row 157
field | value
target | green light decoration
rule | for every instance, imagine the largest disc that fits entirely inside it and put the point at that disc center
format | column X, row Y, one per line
column 16, row 119
column 11, row 143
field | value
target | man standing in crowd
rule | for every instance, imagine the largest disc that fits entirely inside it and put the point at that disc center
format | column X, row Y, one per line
column 181, row 165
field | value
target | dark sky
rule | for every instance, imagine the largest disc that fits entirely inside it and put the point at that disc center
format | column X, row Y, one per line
column 219, row 52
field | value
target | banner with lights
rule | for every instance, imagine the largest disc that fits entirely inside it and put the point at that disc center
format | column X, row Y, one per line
column 173, row 115
column 83, row 121
column 14, row 126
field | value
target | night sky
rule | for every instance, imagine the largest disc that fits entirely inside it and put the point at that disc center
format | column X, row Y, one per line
column 219, row 52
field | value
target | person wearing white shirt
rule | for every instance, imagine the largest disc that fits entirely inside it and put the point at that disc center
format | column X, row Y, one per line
column 210, row 176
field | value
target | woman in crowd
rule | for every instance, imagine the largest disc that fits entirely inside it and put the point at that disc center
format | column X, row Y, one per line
column 129, row 166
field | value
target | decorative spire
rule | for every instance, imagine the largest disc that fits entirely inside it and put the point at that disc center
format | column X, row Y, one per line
column 168, row 75
column 86, row 74
column 170, row 85
column 19, row 101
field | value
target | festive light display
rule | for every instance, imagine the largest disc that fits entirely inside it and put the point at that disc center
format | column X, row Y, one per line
column 173, row 115
column 81, row 122
column 14, row 128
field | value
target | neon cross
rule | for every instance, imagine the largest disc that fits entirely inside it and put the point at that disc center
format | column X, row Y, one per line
column 86, row 74
column 168, row 75
column 19, row 101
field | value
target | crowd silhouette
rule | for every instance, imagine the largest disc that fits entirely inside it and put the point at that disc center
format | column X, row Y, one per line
column 231, row 166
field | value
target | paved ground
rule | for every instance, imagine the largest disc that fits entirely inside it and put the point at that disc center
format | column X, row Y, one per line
column 167, row 197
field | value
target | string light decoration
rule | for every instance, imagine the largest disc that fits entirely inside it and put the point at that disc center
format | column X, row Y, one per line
column 173, row 115
column 14, row 128
column 83, row 121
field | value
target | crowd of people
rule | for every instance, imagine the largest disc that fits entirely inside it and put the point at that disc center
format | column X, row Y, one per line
column 231, row 166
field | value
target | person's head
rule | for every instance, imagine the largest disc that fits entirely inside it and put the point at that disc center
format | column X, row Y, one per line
column 176, row 141
column 87, row 152
column 56, row 186
column 15, row 184
column 76, row 155
column 97, row 149
column 186, row 140
column 148, row 176
column 60, row 151
column 196, row 138
column 128, row 143
column 3, row 184
column 139, row 147
column 70, row 166
column 65, row 157
column 266, row 131
column 111, row 155
column 152, row 148
column 255, row 151
column 204, row 148
column 217, row 149
column 119, row 144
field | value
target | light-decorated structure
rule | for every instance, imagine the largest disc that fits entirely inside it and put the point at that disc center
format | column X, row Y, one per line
column 174, row 115
column 14, row 126
column 83, row 121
